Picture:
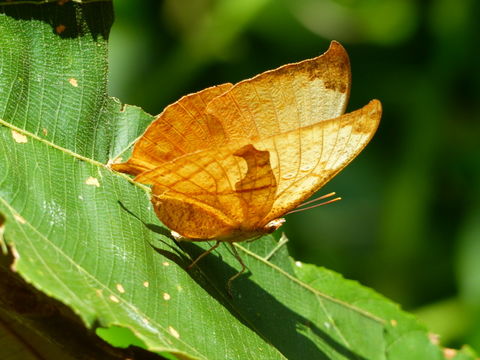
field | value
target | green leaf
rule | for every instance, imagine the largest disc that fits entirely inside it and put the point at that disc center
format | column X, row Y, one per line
column 405, row 337
column 88, row 237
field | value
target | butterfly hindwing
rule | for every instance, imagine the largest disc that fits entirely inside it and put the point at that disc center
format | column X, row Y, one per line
column 213, row 193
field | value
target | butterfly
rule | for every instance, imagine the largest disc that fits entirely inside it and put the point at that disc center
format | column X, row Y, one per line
column 228, row 162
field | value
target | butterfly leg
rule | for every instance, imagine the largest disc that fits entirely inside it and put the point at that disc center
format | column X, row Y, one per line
column 202, row 255
column 237, row 256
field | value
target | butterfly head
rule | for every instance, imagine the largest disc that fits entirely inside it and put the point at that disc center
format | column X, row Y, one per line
column 249, row 234
column 269, row 228
column 273, row 225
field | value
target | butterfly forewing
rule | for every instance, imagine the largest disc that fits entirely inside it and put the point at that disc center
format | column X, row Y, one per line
column 287, row 98
column 306, row 159
column 182, row 128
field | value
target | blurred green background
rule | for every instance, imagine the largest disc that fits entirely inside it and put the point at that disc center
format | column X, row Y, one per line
column 409, row 224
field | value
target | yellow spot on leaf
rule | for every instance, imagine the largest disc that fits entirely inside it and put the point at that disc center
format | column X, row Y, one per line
column 394, row 322
column 146, row 284
column 60, row 28
column 92, row 181
column 120, row 288
column 449, row 353
column 166, row 296
column 45, row 131
column 166, row 263
column 19, row 138
column 73, row 82
column 174, row 332
column 114, row 298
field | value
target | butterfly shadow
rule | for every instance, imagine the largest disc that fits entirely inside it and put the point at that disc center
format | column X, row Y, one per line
column 253, row 305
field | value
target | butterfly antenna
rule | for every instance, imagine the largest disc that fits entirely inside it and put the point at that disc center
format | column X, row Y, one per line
column 317, row 199
column 301, row 208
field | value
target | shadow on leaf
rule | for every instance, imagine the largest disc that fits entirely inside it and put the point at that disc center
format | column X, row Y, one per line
column 251, row 304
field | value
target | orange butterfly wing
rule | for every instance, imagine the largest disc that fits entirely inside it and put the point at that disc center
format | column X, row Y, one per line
column 228, row 160
column 209, row 194
column 273, row 102
column 233, row 194
column 287, row 98
column 305, row 159
column 183, row 127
